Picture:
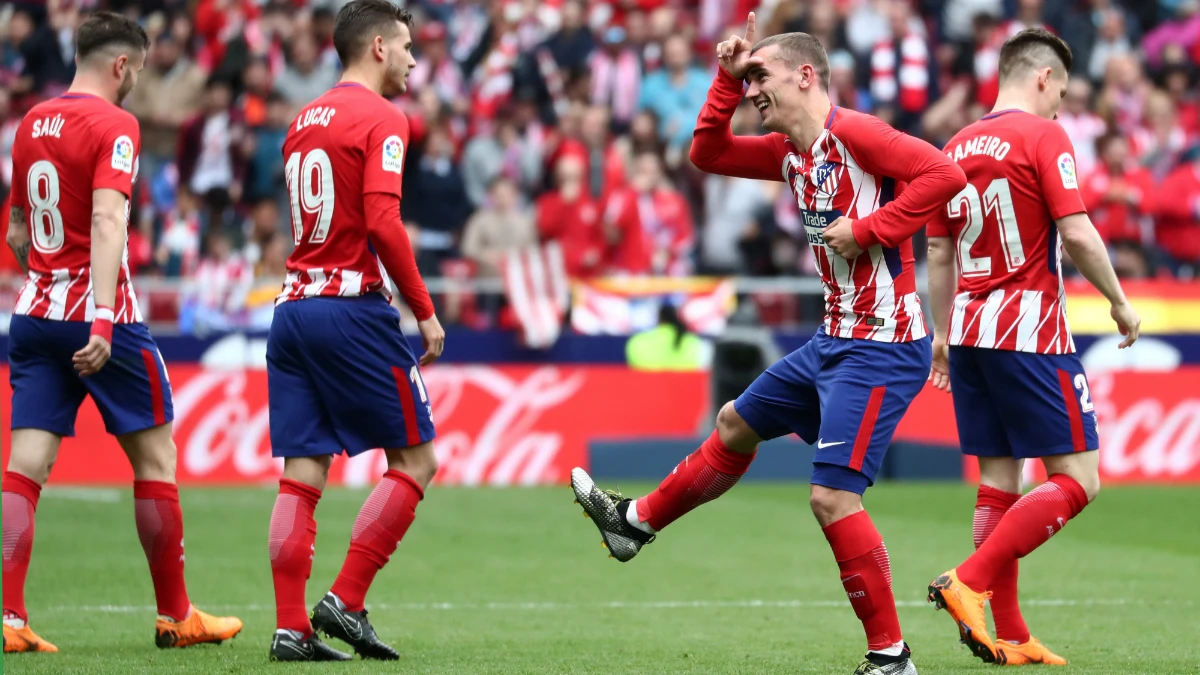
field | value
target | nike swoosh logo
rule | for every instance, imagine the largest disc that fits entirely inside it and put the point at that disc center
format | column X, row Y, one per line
column 305, row 650
column 821, row 445
column 352, row 627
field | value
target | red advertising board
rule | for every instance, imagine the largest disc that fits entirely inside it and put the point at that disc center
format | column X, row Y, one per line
column 497, row 425
column 520, row 425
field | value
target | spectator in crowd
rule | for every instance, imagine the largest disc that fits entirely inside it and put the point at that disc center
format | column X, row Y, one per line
column 676, row 93
column 570, row 215
column 435, row 70
column 170, row 91
column 1115, row 192
column 616, row 77
column 1111, row 40
column 501, row 152
column 219, row 288
column 1160, row 140
column 265, row 175
column 1177, row 211
column 305, row 77
column 178, row 250
column 603, row 161
column 900, row 68
column 573, row 43
column 442, row 209
column 210, row 158
column 44, row 66
column 649, row 224
column 500, row 226
column 1082, row 125
column 261, row 228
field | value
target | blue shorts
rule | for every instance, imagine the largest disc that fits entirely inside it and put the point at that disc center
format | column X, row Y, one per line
column 846, row 396
column 341, row 376
column 131, row 390
column 1016, row 404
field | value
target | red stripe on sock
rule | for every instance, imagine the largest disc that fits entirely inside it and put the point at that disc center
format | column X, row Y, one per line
column 20, row 499
column 408, row 405
column 381, row 523
column 157, row 401
column 290, row 545
column 867, row 427
column 160, row 529
column 1068, row 391
column 866, row 574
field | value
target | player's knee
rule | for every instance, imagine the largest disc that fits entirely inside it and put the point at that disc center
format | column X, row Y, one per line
column 419, row 462
column 830, row 505
column 1091, row 486
column 157, row 464
column 32, row 467
column 733, row 430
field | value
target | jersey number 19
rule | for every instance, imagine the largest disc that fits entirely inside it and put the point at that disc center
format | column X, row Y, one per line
column 310, row 194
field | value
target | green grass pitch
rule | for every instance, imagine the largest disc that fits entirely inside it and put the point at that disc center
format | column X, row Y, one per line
column 516, row 581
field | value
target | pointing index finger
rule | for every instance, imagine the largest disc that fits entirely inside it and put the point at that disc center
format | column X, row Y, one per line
column 750, row 28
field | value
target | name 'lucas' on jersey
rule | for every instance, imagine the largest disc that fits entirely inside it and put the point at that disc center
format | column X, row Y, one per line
column 347, row 143
column 1021, row 178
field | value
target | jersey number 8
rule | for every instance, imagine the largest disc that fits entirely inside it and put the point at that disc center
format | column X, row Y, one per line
column 310, row 193
column 46, row 220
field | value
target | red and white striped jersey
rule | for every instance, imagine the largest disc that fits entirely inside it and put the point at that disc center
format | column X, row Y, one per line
column 65, row 148
column 1021, row 177
column 855, row 168
column 347, row 143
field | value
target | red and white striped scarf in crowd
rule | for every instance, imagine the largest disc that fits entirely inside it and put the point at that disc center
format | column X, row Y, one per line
column 906, row 83
column 616, row 83
column 535, row 283
column 494, row 78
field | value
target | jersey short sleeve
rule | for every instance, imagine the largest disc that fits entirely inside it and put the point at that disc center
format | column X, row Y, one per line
column 117, row 155
column 1058, row 175
column 387, row 144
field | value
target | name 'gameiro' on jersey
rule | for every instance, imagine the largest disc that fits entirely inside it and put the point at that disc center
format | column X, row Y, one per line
column 347, row 143
column 1021, row 177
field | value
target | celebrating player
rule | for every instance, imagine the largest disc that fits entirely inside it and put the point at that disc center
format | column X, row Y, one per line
column 341, row 375
column 1002, row 344
column 847, row 388
column 77, row 331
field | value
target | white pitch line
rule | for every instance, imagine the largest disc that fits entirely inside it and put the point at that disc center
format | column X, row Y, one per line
column 101, row 495
column 618, row 604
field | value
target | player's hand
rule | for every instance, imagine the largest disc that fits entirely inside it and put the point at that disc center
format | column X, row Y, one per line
column 433, row 337
column 839, row 236
column 1128, row 322
column 90, row 359
column 939, row 372
column 734, row 54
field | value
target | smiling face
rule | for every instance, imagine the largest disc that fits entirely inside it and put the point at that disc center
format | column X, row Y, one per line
column 775, row 89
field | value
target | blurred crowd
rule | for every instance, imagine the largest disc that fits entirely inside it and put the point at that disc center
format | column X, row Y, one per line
column 570, row 120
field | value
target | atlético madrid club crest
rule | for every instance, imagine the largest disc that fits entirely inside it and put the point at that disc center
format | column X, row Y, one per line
column 826, row 178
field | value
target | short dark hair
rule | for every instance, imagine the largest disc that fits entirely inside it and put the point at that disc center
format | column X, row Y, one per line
column 360, row 21
column 108, row 29
column 1031, row 49
column 796, row 49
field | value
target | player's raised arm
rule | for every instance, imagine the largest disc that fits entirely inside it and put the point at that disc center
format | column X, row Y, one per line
column 931, row 177
column 714, row 147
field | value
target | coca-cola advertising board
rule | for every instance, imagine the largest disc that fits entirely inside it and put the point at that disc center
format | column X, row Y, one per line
column 496, row 425
column 524, row 425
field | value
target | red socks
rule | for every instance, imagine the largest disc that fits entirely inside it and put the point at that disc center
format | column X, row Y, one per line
column 380, row 526
column 867, row 576
column 701, row 477
column 990, row 507
column 1028, row 524
column 20, row 498
column 160, row 527
column 290, row 543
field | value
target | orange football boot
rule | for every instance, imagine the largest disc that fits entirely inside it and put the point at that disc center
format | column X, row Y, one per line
column 1027, row 653
column 967, row 608
column 23, row 639
column 198, row 628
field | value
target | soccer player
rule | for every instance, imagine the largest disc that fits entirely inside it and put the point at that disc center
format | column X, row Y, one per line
column 847, row 388
column 341, row 375
column 77, row 331
column 1002, row 345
